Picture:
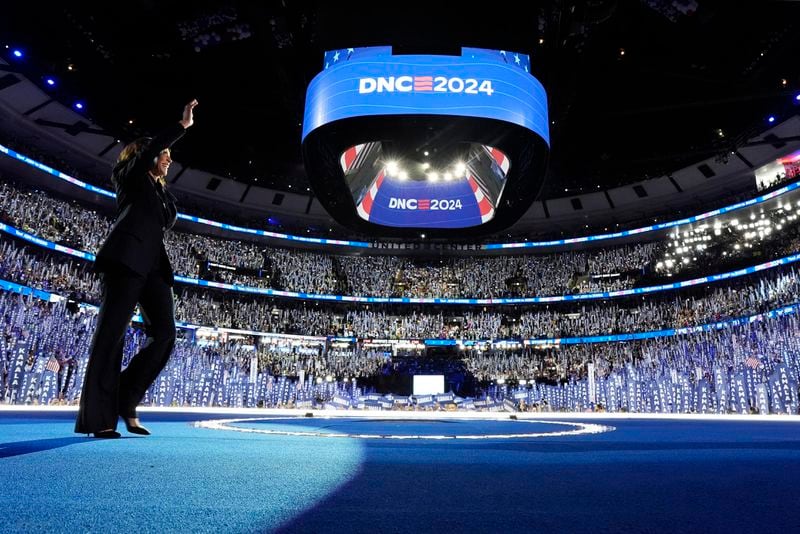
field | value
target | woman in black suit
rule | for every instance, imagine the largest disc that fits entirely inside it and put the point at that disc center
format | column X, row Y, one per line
column 135, row 268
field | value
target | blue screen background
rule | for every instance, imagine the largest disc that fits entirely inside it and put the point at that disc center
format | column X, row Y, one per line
column 517, row 97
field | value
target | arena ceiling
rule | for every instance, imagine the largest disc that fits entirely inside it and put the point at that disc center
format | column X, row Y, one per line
column 637, row 87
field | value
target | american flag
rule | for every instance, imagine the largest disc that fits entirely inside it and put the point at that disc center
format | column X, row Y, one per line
column 752, row 362
column 53, row 365
column 423, row 83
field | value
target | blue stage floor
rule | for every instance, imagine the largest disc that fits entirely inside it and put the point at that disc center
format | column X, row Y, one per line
column 644, row 476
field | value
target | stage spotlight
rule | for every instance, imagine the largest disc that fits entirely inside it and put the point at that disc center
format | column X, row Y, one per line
column 50, row 81
column 771, row 119
column 17, row 53
column 78, row 105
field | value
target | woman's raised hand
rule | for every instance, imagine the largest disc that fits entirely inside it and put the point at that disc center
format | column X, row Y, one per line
column 188, row 114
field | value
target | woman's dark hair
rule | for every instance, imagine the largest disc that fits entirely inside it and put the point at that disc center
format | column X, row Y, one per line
column 133, row 147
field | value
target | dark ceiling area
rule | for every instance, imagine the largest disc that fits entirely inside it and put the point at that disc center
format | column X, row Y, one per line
column 636, row 88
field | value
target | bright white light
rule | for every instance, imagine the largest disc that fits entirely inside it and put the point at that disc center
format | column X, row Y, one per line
column 433, row 176
column 448, row 176
column 426, row 165
column 392, row 168
column 459, row 168
column 403, row 175
column 428, row 384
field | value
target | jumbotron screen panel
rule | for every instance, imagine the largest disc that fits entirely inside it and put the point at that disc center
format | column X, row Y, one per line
column 428, row 384
column 454, row 189
column 398, row 143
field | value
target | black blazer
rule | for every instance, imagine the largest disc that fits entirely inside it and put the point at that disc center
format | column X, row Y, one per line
column 145, row 210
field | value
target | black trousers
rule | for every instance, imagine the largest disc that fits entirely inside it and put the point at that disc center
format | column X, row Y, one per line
column 108, row 394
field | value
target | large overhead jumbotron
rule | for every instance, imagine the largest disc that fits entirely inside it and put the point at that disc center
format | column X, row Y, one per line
column 446, row 145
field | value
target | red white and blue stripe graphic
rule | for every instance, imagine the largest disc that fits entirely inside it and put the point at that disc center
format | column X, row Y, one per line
column 350, row 156
column 485, row 207
column 423, row 83
column 364, row 207
column 500, row 158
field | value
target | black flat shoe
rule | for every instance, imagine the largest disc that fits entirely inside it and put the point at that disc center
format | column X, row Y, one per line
column 135, row 429
column 107, row 434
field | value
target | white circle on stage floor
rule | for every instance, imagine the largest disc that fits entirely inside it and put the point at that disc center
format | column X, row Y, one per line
column 577, row 429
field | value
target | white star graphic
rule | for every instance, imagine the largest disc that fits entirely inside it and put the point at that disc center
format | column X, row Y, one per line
column 351, row 50
column 336, row 56
column 327, row 65
column 516, row 59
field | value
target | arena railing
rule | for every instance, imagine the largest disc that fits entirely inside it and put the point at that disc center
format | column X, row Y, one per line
column 364, row 244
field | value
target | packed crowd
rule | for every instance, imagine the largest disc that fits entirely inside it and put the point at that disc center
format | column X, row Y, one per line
column 743, row 368
column 744, row 296
column 752, row 367
column 764, row 233
column 258, row 265
column 30, row 267
column 248, row 263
